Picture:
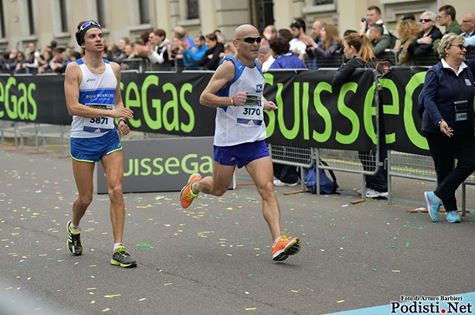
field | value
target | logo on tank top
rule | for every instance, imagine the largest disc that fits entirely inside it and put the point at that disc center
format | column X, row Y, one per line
column 90, row 80
column 259, row 88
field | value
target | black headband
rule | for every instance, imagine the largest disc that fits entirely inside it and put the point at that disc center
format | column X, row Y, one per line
column 83, row 28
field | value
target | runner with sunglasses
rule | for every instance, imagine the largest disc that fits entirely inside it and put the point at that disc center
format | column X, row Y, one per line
column 93, row 98
column 235, row 90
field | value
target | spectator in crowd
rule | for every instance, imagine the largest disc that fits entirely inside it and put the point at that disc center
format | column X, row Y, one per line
column 317, row 31
column 269, row 33
column 220, row 36
column 422, row 45
column 359, row 53
column 407, row 31
column 211, row 58
column 193, row 55
column 116, row 53
column 285, row 175
column 33, row 55
column 298, row 42
column 468, row 28
column 3, row 57
column 229, row 50
column 447, row 123
column 284, row 58
column 446, row 18
column 21, row 62
column 285, row 33
column 265, row 57
column 379, row 41
column 373, row 16
column 141, row 45
column 58, row 62
column 158, row 49
column 129, row 51
column 330, row 43
column 11, row 61
column 44, row 62
column 179, row 44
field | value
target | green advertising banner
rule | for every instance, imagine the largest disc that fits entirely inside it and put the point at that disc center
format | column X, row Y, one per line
column 311, row 112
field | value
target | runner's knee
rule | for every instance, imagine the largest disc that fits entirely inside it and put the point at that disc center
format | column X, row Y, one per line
column 267, row 191
column 219, row 191
column 115, row 191
column 84, row 201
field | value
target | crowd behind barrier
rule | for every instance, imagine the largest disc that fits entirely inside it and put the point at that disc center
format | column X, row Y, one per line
column 141, row 64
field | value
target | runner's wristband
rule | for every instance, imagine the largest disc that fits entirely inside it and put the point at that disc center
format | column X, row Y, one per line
column 122, row 119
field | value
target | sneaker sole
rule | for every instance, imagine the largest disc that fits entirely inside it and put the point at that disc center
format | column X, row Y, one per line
column 68, row 243
column 71, row 252
column 184, row 206
column 428, row 208
column 291, row 249
column 119, row 264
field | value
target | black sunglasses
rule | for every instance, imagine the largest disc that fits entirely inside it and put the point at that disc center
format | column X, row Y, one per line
column 425, row 20
column 251, row 40
column 460, row 46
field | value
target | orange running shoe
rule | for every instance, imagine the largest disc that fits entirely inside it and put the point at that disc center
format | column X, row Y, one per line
column 187, row 195
column 284, row 247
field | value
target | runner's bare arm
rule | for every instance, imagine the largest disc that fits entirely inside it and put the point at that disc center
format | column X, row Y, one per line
column 122, row 124
column 220, row 78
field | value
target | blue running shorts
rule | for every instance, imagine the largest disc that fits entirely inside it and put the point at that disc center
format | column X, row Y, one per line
column 93, row 149
column 241, row 154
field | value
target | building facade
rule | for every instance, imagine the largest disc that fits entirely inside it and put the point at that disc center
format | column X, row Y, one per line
column 24, row 21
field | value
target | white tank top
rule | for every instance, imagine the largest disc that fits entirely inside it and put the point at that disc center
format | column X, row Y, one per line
column 241, row 124
column 95, row 90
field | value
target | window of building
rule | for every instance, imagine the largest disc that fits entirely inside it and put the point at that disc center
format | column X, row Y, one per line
column 321, row 2
column 31, row 19
column 2, row 21
column 63, row 15
column 101, row 11
column 192, row 9
column 144, row 12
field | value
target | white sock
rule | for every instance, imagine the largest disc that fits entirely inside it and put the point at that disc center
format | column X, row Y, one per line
column 117, row 245
column 193, row 189
column 276, row 240
column 74, row 228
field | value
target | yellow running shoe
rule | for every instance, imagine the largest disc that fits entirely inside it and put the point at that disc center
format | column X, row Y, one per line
column 187, row 195
column 284, row 247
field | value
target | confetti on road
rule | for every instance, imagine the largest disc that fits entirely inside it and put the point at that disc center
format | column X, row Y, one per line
column 144, row 245
column 110, row 296
column 250, row 308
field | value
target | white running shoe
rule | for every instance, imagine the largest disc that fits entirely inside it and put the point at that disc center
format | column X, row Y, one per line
column 278, row 183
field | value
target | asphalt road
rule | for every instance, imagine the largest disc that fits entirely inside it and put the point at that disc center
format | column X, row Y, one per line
column 214, row 258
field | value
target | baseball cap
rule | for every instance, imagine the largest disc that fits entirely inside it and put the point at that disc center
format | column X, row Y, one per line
column 298, row 23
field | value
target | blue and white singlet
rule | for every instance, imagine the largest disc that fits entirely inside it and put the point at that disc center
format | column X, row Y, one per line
column 95, row 90
column 241, row 124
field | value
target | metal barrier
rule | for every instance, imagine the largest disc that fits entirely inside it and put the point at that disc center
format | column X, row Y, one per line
column 40, row 134
column 300, row 157
column 364, row 163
